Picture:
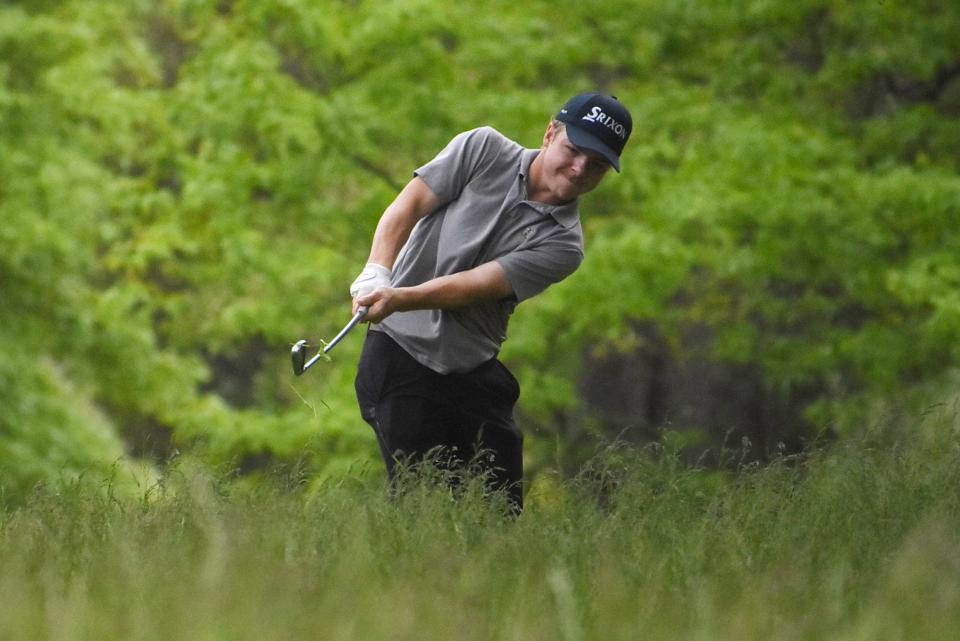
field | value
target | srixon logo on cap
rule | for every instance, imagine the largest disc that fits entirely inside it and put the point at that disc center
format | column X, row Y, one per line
column 597, row 115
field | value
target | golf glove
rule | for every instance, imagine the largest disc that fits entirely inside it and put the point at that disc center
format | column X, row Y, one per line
column 372, row 277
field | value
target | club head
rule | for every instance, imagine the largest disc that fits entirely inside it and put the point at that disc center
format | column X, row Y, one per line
column 298, row 356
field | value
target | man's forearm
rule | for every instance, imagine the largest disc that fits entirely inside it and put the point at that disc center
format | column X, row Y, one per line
column 487, row 282
column 392, row 232
column 415, row 201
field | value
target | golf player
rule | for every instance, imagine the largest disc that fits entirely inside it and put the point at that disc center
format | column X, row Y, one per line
column 480, row 228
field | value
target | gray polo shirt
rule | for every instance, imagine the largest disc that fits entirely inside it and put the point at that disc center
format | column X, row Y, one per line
column 484, row 215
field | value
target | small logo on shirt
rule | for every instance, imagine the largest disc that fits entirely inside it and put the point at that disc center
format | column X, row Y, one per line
column 528, row 233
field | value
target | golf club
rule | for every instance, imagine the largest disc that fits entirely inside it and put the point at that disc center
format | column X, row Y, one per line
column 298, row 353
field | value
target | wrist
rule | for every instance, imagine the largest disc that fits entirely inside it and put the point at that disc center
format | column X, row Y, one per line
column 378, row 269
column 404, row 299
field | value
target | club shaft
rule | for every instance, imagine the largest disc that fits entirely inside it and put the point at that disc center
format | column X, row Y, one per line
column 359, row 316
column 361, row 313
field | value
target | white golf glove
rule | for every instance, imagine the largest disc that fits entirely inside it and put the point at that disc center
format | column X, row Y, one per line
column 372, row 277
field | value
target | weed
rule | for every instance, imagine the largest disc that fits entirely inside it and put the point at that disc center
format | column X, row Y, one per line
column 639, row 546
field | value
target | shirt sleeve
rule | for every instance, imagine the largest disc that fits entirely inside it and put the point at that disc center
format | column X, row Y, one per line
column 460, row 161
column 532, row 270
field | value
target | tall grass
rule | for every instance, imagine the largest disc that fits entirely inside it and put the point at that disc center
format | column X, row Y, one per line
column 858, row 542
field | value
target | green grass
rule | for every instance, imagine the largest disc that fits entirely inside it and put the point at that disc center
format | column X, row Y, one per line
column 858, row 542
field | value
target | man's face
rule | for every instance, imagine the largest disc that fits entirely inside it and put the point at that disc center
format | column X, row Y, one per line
column 568, row 171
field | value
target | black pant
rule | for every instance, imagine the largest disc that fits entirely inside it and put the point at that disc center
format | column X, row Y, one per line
column 414, row 411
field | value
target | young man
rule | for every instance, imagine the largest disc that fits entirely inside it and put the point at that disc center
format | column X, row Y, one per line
column 482, row 227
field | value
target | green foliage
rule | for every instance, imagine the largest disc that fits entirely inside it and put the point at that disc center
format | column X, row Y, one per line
column 188, row 186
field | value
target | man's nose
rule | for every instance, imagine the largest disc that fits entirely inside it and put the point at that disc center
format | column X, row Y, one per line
column 579, row 164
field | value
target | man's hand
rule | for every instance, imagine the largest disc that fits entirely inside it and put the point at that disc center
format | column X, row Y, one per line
column 372, row 277
column 380, row 303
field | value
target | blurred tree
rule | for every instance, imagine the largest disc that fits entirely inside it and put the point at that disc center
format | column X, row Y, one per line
column 187, row 186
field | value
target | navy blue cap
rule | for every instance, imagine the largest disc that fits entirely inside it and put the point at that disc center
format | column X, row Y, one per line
column 598, row 123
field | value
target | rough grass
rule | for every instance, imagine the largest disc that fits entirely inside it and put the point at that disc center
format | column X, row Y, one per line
column 859, row 542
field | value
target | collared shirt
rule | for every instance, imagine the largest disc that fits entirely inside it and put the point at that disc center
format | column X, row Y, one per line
column 480, row 179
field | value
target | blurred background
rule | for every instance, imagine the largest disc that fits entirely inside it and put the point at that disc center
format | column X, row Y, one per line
column 187, row 187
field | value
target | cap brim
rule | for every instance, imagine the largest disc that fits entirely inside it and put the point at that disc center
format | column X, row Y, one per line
column 582, row 139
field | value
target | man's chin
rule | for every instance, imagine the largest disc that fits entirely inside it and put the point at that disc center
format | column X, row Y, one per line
column 571, row 191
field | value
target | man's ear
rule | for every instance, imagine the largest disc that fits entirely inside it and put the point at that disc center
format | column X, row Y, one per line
column 550, row 133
